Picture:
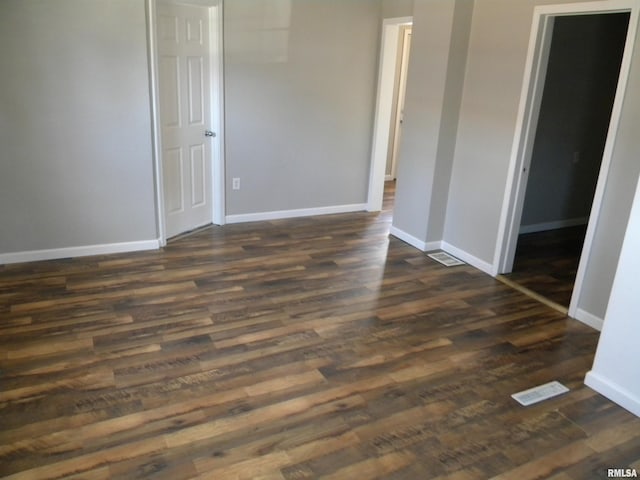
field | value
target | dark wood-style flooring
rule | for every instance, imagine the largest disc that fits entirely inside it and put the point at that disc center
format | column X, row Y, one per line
column 547, row 262
column 314, row 348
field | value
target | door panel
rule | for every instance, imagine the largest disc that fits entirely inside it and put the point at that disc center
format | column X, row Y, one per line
column 173, row 192
column 167, row 27
column 194, row 31
column 185, row 113
column 194, row 83
column 170, row 92
column 198, row 170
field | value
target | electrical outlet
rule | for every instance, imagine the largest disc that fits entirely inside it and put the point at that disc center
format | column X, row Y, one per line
column 576, row 157
column 235, row 183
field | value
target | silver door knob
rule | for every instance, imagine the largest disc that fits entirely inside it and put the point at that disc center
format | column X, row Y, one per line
column 209, row 133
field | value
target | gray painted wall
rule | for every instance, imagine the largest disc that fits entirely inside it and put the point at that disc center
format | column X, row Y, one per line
column 617, row 201
column 397, row 8
column 75, row 163
column 300, row 80
column 454, row 82
column 431, row 111
column 495, row 65
column 497, row 53
column 580, row 85
column 616, row 370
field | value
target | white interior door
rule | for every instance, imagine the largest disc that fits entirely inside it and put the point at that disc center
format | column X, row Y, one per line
column 185, row 114
column 402, row 87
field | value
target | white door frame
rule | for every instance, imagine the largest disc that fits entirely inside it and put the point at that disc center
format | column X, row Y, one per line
column 217, row 113
column 384, row 107
column 527, row 120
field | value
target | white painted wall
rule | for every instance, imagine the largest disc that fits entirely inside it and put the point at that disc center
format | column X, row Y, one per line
column 75, row 164
column 616, row 369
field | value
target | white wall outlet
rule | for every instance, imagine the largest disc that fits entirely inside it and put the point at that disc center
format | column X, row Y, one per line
column 235, row 183
column 576, row 157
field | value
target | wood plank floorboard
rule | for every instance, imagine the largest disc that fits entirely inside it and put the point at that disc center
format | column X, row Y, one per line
column 313, row 348
column 547, row 262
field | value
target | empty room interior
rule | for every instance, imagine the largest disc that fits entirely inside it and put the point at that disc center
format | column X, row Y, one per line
column 217, row 218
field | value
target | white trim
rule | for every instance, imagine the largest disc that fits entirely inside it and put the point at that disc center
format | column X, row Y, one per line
column 613, row 392
column 413, row 241
column 441, row 245
column 467, row 257
column 300, row 212
column 431, row 246
column 531, row 94
column 217, row 114
column 589, row 319
column 526, row 121
column 595, row 7
column 388, row 178
column 544, row 226
column 384, row 103
column 84, row 251
column 152, row 53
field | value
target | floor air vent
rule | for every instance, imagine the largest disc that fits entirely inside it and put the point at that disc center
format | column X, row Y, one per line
column 539, row 393
column 445, row 259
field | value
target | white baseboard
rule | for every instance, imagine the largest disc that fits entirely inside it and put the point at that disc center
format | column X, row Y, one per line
column 589, row 319
column 441, row 245
column 467, row 258
column 413, row 241
column 613, row 392
column 388, row 178
column 431, row 246
column 300, row 212
column 69, row 252
column 542, row 227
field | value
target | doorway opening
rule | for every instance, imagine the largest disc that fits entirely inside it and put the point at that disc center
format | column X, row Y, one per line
column 392, row 75
column 185, row 51
column 579, row 89
column 526, row 140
